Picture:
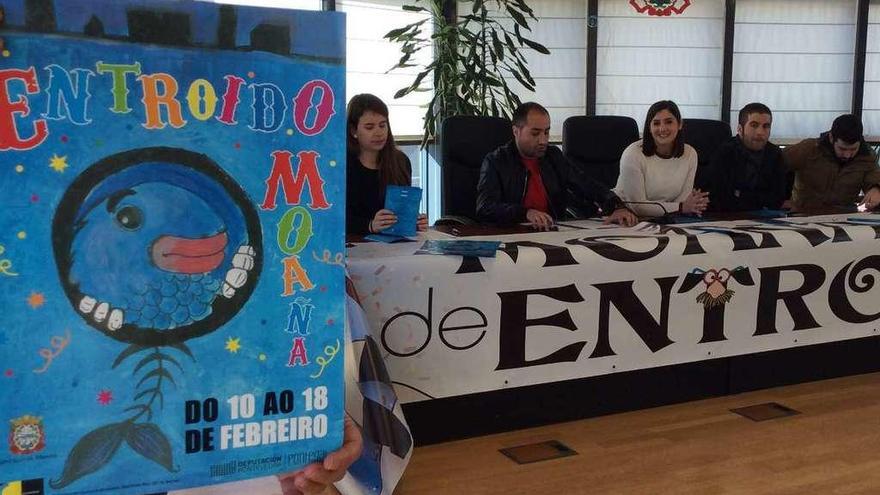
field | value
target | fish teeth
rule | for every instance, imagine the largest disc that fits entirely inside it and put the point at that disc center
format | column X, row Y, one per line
column 87, row 304
column 243, row 261
column 236, row 277
column 227, row 290
column 101, row 312
column 117, row 317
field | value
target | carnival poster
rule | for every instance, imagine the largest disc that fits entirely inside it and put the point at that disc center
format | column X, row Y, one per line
column 171, row 238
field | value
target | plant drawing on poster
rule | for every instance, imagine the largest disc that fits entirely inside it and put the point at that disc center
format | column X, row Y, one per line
column 170, row 247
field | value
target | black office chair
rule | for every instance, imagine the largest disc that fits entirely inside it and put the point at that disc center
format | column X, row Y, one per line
column 705, row 136
column 594, row 144
column 464, row 142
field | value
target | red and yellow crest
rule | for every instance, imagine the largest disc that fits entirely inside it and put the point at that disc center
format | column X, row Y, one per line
column 26, row 435
column 660, row 7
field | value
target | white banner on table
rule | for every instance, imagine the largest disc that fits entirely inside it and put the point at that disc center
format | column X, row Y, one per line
column 580, row 303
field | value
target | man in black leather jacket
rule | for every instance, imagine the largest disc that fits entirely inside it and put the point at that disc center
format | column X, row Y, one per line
column 527, row 180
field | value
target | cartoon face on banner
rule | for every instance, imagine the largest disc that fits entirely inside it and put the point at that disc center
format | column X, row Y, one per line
column 171, row 274
column 156, row 246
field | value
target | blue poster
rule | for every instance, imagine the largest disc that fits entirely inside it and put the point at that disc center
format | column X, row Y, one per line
column 171, row 239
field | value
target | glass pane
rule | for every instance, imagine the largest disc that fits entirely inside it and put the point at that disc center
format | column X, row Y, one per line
column 278, row 4
column 796, row 56
column 560, row 78
column 643, row 58
column 871, row 105
column 369, row 57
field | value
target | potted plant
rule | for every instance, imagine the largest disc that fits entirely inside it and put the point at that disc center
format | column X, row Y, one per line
column 474, row 55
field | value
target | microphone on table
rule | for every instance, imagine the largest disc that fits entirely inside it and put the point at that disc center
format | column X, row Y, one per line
column 666, row 213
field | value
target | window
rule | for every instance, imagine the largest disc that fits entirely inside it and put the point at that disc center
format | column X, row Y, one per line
column 871, row 104
column 369, row 57
column 278, row 4
column 560, row 78
column 642, row 59
column 796, row 56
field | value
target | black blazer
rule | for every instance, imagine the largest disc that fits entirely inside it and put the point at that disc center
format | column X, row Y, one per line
column 727, row 192
column 502, row 187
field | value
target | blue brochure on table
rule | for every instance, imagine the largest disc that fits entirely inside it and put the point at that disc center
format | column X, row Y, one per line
column 483, row 249
column 404, row 202
column 766, row 213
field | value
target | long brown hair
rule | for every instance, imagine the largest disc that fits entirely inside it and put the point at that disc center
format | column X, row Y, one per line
column 392, row 162
column 649, row 147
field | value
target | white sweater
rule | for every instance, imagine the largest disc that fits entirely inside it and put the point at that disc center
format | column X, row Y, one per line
column 667, row 181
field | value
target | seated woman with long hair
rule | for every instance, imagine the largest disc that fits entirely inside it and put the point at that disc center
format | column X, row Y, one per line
column 657, row 172
column 374, row 162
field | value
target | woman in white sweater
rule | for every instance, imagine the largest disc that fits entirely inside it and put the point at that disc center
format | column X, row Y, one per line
column 657, row 172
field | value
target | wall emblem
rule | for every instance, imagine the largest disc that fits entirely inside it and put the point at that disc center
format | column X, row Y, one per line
column 660, row 7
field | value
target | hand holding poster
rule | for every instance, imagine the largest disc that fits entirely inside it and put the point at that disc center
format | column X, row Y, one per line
column 170, row 303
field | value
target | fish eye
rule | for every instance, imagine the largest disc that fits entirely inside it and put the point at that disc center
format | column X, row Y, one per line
column 129, row 217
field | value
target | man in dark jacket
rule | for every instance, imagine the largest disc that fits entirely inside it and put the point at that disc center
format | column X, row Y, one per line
column 747, row 172
column 527, row 180
column 833, row 169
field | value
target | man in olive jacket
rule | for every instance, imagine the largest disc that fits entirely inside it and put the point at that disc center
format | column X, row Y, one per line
column 528, row 180
column 833, row 169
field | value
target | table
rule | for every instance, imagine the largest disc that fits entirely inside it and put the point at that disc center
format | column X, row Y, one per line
column 592, row 301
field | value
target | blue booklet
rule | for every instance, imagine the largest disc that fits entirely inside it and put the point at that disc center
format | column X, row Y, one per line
column 404, row 202
column 483, row 249
column 387, row 239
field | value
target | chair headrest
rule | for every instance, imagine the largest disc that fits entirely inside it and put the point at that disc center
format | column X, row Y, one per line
column 598, row 138
column 466, row 140
column 705, row 135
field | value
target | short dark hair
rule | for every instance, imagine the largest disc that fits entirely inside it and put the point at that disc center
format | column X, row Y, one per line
column 753, row 108
column 649, row 147
column 847, row 128
column 521, row 114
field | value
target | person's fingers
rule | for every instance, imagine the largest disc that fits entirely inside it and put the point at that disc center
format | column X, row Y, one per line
column 309, row 487
column 288, row 486
column 317, row 474
column 352, row 446
column 538, row 219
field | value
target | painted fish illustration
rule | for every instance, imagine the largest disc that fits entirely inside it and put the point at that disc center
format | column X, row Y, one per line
column 157, row 246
